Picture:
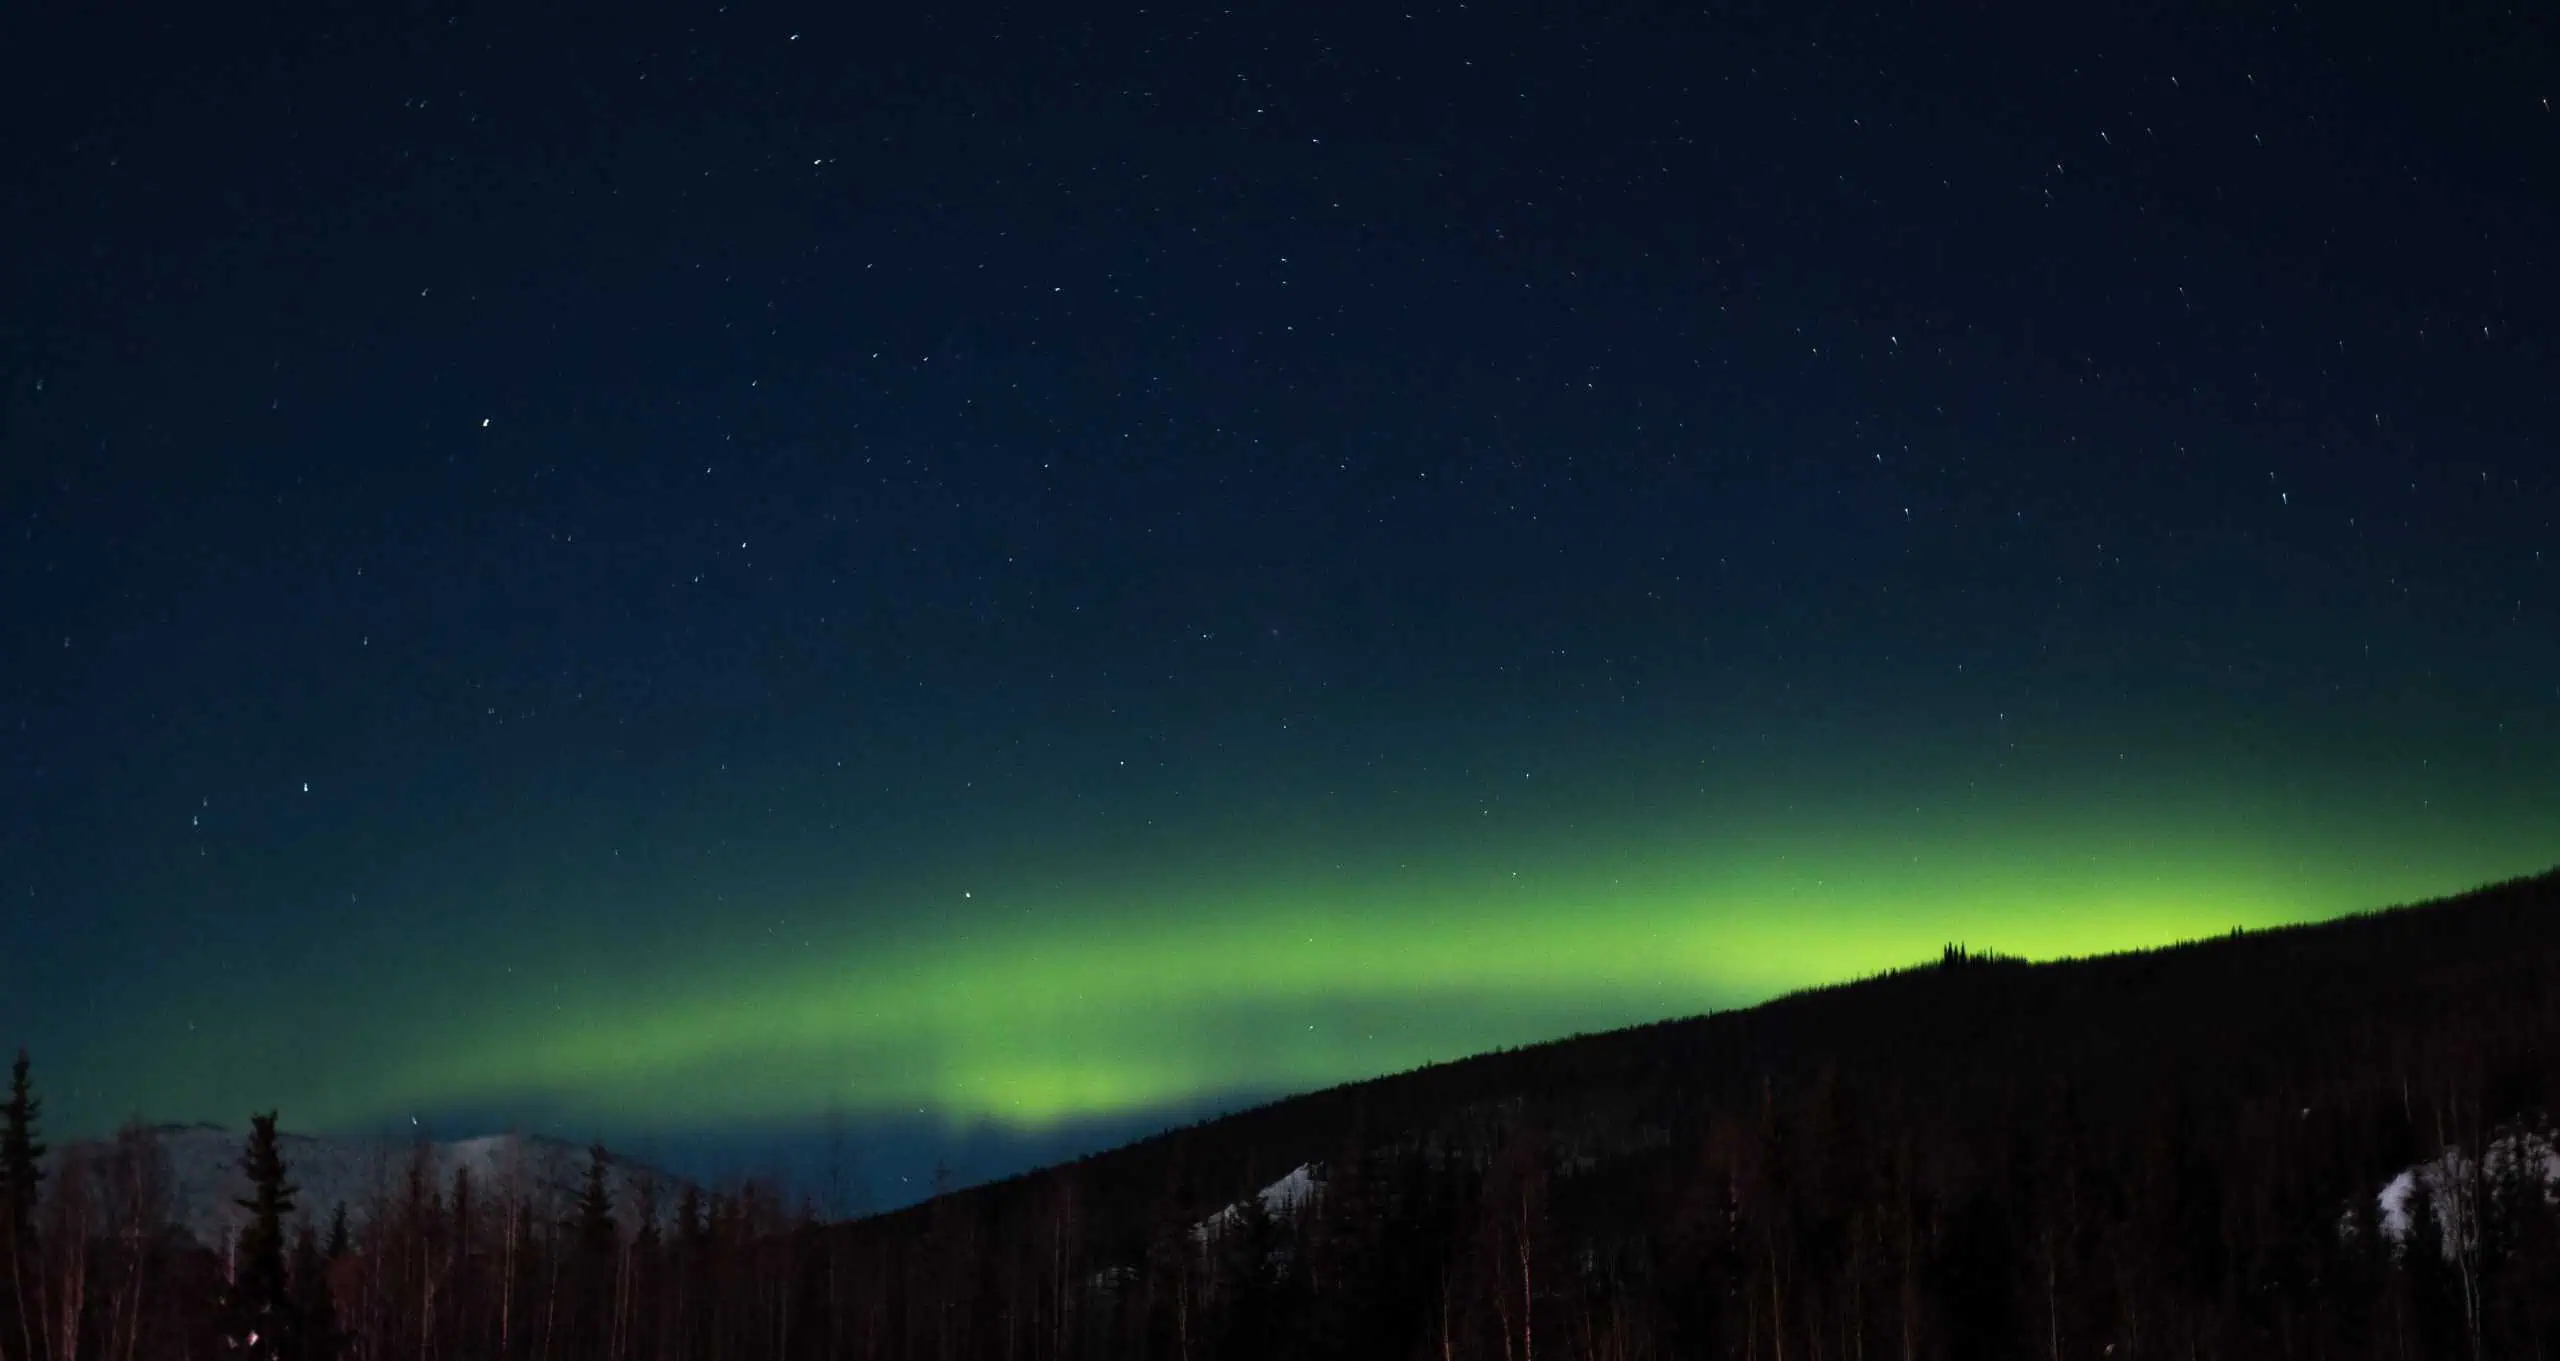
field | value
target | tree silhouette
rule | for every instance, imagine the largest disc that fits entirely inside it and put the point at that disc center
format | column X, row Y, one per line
column 258, row 1315
column 315, row 1310
column 20, row 1176
column 595, row 1226
column 2174, row 1153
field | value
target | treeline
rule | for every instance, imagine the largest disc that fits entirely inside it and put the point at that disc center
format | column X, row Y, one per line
column 2170, row 1154
column 94, row 1266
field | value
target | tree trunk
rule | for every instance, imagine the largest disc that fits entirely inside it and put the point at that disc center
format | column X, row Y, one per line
column 1528, row 1297
column 1777, row 1300
column 27, row 1330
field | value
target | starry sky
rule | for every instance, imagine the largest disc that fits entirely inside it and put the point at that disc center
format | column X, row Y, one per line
column 999, row 577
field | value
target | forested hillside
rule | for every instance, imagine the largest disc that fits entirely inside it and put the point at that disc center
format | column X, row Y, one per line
column 2177, row 1153
column 2169, row 1153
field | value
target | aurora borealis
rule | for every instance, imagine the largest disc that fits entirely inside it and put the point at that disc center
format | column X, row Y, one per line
column 1008, row 571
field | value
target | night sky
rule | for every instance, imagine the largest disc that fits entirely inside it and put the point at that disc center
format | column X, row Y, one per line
column 1008, row 576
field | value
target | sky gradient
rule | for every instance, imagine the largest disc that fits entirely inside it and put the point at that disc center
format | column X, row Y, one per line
column 1003, row 573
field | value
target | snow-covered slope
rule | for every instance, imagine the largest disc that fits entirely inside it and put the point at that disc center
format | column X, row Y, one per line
column 1280, row 1200
column 205, row 1181
column 2452, row 1181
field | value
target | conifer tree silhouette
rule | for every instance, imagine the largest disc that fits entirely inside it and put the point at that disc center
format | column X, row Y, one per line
column 316, row 1332
column 21, row 1174
column 258, row 1314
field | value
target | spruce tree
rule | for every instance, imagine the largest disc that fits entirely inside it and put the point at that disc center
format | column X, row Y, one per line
column 463, row 1204
column 595, row 1226
column 21, row 1173
column 258, row 1321
column 338, row 1241
column 316, row 1333
column 690, row 1229
column 648, row 1254
column 644, row 1214
column 595, row 1243
column 1244, row 1247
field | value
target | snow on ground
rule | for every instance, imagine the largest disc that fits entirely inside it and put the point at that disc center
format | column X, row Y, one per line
column 1280, row 1199
column 2449, row 1179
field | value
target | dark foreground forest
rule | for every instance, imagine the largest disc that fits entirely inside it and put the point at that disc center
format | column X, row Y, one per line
column 2168, row 1154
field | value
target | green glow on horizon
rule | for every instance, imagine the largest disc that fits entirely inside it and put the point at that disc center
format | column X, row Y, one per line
column 1045, row 973
column 1240, row 987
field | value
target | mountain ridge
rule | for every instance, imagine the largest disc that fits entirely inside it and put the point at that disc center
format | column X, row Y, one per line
column 199, row 1174
column 2124, row 970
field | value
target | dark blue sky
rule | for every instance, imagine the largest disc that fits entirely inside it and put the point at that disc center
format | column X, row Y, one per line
column 774, row 535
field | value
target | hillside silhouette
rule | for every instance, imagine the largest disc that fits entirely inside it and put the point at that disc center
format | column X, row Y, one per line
column 2329, row 1141
column 2170, row 1152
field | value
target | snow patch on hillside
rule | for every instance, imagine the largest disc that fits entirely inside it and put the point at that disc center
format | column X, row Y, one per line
column 2453, row 1182
column 1280, row 1200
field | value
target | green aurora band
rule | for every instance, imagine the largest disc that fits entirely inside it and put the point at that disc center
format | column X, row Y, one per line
column 1153, row 1013
column 1062, row 991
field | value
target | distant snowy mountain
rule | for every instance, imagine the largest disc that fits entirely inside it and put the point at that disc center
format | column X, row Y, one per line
column 205, row 1181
